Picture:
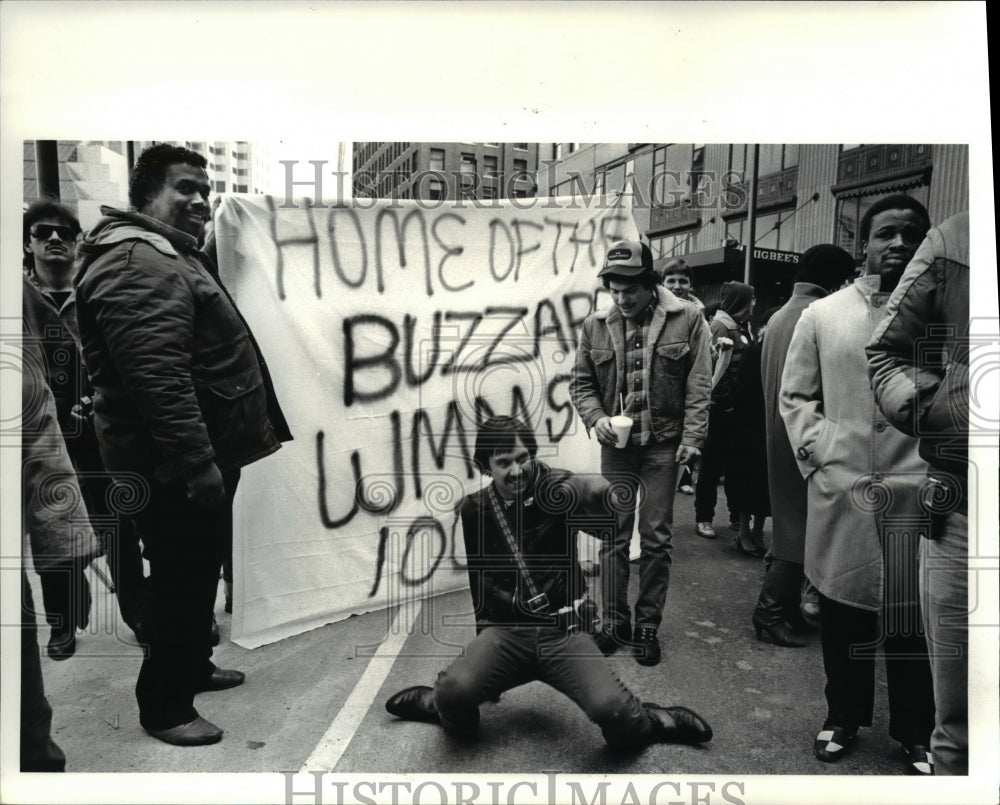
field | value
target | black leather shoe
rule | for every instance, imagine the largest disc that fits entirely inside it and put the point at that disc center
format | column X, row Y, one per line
column 918, row 759
column 414, row 704
column 222, row 679
column 61, row 645
column 832, row 743
column 647, row 645
column 195, row 733
column 214, row 637
column 778, row 633
column 613, row 636
column 677, row 725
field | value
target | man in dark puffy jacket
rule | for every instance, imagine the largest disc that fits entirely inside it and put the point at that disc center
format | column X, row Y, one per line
column 182, row 400
column 918, row 360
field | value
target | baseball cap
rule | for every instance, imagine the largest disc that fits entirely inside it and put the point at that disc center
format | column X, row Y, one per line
column 627, row 258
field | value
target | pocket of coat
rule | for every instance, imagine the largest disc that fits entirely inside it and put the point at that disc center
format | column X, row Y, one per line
column 601, row 356
column 671, row 357
column 232, row 388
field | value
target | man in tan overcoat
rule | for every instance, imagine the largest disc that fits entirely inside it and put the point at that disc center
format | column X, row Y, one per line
column 863, row 516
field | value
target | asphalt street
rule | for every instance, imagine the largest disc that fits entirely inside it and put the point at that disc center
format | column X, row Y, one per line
column 327, row 688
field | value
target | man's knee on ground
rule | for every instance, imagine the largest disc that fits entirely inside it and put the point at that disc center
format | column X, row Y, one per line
column 455, row 692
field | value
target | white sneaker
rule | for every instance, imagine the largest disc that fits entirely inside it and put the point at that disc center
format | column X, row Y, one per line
column 704, row 530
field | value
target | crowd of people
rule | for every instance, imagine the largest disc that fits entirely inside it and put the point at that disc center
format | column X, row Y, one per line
column 842, row 418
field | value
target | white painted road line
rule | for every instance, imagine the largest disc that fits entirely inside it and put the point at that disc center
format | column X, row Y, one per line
column 335, row 741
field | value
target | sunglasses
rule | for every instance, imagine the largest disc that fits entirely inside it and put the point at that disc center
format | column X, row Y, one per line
column 44, row 232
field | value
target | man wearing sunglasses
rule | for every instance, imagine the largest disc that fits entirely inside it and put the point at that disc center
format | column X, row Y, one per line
column 50, row 232
column 182, row 401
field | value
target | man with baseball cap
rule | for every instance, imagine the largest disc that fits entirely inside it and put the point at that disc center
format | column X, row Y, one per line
column 647, row 358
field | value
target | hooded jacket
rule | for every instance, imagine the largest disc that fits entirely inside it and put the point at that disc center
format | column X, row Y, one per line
column 729, row 321
column 178, row 379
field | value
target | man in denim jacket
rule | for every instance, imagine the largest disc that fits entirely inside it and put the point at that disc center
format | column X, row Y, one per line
column 650, row 352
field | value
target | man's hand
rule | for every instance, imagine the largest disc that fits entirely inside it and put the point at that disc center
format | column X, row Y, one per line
column 605, row 433
column 686, row 454
column 205, row 487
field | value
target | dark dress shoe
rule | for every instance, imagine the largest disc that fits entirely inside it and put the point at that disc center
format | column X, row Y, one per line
column 677, row 725
column 778, row 633
column 832, row 743
column 414, row 704
column 613, row 636
column 918, row 759
column 61, row 645
column 222, row 679
column 195, row 733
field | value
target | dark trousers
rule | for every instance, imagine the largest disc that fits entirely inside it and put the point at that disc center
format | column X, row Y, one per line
column 851, row 638
column 184, row 548
column 38, row 751
column 717, row 458
column 502, row 657
column 116, row 532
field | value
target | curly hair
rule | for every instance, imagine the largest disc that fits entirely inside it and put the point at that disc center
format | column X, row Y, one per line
column 151, row 168
column 48, row 208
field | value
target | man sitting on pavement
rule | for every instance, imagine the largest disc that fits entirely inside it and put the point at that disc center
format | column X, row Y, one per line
column 529, row 594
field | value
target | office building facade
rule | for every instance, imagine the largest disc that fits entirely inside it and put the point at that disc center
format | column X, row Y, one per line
column 444, row 171
column 692, row 200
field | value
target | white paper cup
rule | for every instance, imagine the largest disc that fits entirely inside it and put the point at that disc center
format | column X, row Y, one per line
column 623, row 427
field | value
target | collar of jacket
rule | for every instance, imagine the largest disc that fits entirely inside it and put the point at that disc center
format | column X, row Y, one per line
column 868, row 285
column 807, row 290
column 666, row 303
column 31, row 277
column 121, row 225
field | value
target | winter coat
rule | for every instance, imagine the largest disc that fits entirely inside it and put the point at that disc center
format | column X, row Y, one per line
column 678, row 379
column 723, row 325
column 53, row 513
column 748, row 491
column 927, row 318
column 863, row 475
column 178, row 379
column 786, row 485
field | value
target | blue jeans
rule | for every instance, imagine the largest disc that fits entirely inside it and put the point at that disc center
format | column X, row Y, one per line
column 652, row 471
column 944, row 592
column 503, row 657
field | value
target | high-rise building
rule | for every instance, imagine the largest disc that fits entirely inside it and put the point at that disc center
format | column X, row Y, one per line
column 95, row 173
column 691, row 200
column 444, row 171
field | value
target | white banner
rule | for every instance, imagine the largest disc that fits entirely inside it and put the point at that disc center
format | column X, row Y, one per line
column 390, row 330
